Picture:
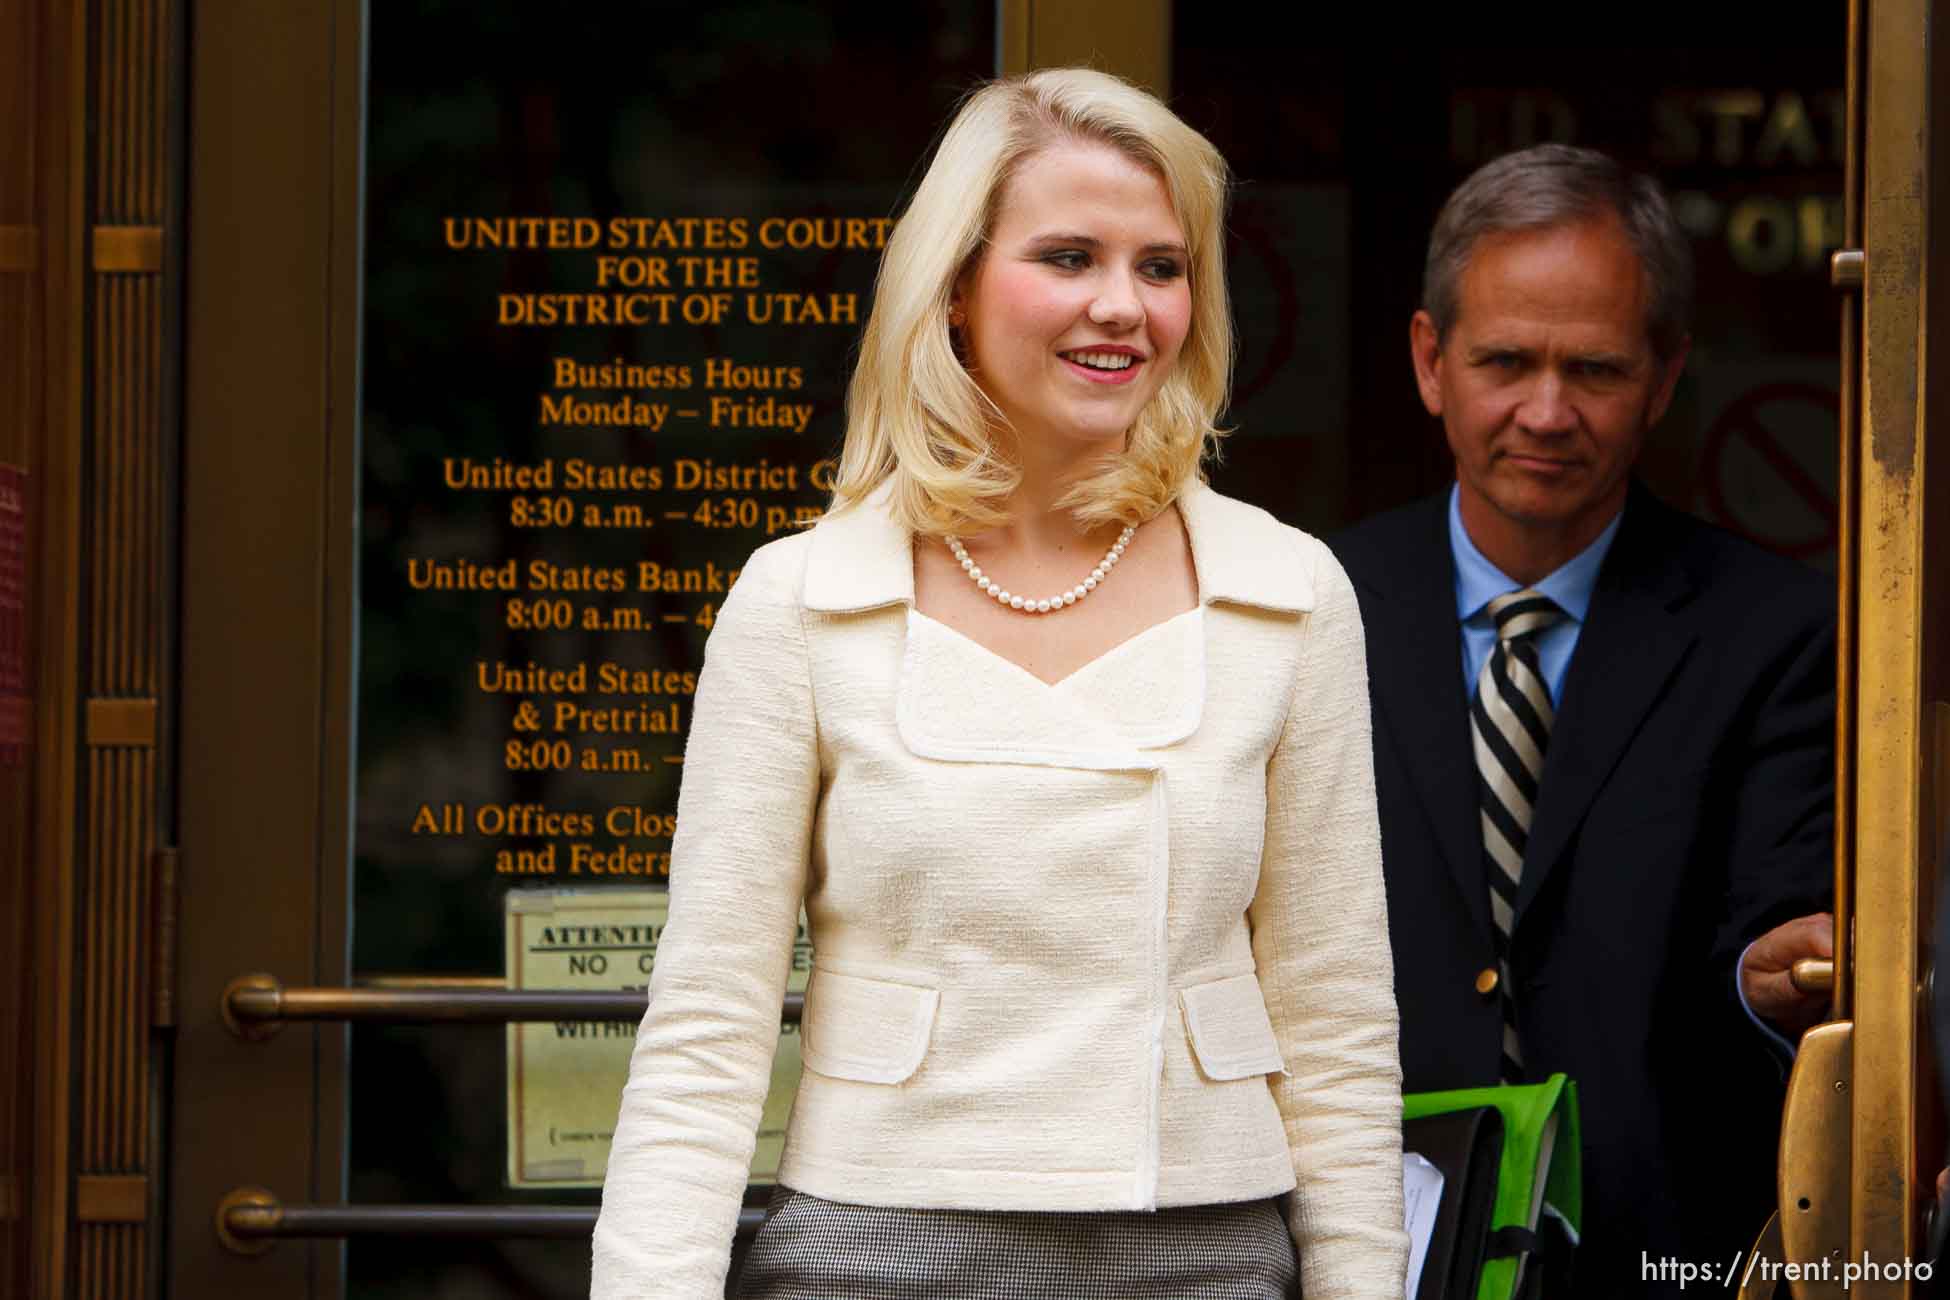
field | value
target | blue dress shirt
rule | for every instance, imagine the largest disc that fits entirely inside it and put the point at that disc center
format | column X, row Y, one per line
column 1478, row 582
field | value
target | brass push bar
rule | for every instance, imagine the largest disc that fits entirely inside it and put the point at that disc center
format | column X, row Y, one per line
column 250, row 1220
column 257, row 1006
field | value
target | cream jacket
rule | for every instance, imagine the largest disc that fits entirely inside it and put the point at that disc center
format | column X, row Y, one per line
column 1114, row 943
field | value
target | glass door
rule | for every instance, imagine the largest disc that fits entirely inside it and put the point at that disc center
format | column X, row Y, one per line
column 514, row 333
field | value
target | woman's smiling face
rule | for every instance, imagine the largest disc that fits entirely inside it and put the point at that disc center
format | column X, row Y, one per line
column 1074, row 315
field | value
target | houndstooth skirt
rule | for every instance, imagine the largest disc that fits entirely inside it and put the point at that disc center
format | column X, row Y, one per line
column 811, row 1249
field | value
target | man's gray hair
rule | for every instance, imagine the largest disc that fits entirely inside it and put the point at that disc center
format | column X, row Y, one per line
column 1553, row 185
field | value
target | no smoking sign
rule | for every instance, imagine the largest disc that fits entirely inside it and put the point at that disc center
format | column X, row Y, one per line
column 1768, row 468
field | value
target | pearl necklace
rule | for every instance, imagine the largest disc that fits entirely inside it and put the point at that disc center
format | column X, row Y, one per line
column 1029, row 605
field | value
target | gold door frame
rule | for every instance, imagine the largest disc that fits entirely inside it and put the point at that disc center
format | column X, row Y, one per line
column 268, row 618
column 1863, row 1134
column 1899, row 613
column 1131, row 39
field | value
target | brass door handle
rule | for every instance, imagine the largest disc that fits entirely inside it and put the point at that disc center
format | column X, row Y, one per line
column 257, row 1006
column 1813, row 975
column 250, row 1220
column 1846, row 268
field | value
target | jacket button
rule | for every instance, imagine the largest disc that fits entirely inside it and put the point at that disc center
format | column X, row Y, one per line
column 1486, row 980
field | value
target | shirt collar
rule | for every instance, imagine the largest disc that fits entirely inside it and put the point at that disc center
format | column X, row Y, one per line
column 862, row 558
column 1478, row 581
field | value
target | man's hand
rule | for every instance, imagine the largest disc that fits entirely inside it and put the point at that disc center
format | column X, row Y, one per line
column 1764, row 980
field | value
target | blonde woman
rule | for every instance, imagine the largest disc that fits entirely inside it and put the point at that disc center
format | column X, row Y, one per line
column 1067, row 757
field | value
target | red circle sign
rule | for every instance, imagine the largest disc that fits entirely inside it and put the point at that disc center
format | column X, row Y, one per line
column 1743, row 422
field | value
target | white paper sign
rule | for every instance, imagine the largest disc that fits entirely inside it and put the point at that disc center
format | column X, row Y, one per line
column 565, row 1078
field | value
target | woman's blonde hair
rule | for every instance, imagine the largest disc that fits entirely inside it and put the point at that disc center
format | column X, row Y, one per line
column 913, row 412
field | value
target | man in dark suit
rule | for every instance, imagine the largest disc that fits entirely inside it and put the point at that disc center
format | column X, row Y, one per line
column 1603, row 730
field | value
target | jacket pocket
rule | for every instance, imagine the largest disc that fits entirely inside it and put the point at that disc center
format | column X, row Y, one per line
column 867, row 1030
column 1230, row 1031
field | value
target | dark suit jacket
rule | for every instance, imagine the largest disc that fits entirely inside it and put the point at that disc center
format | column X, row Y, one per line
column 1686, row 807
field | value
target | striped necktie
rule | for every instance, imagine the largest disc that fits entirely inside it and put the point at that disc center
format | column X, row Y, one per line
column 1510, row 724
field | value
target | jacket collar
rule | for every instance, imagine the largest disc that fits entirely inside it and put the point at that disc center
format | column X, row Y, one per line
column 862, row 557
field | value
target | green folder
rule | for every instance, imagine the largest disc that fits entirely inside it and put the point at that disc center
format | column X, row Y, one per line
column 1541, row 1170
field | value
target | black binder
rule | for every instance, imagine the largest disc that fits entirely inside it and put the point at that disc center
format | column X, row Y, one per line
column 1466, row 1145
